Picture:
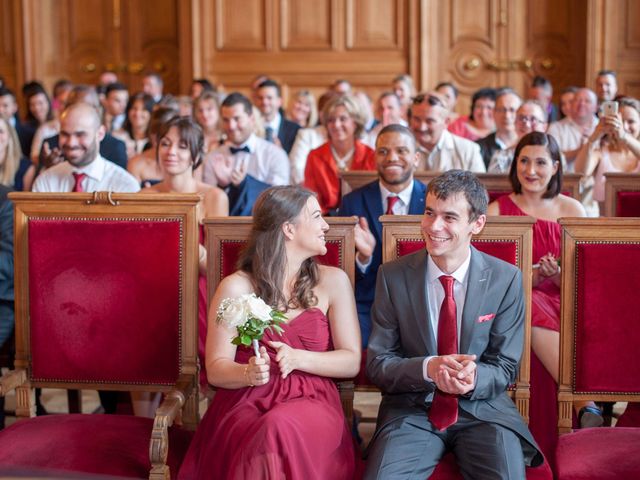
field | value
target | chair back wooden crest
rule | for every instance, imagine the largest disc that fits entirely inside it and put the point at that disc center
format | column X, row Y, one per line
column 622, row 195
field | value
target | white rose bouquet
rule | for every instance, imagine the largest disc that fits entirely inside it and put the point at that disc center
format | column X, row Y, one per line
column 250, row 316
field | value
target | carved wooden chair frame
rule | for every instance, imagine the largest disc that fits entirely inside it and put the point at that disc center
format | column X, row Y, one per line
column 615, row 184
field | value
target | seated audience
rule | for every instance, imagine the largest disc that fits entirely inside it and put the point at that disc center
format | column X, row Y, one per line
column 480, row 122
column 307, row 140
column 566, row 101
column 13, row 165
column 541, row 90
column 572, row 132
column 505, row 136
column 144, row 166
column 116, row 98
column 536, row 178
column 448, row 329
column 439, row 149
column 206, row 111
column 61, row 90
column 449, row 94
column 135, row 129
column 6, row 276
column 180, row 151
column 199, row 86
column 9, row 110
column 39, row 109
column 278, row 414
column 303, row 109
column 606, row 86
column 404, row 87
column 262, row 160
column 614, row 146
column 343, row 151
column 395, row 192
column 153, row 85
column 79, row 166
column 342, row 86
column 388, row 112
column 277, row 129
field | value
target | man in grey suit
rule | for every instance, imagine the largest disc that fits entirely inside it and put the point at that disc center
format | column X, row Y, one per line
column 448, row 329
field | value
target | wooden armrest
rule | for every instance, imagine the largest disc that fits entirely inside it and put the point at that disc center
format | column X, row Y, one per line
column 168, row 411
column 11, row 380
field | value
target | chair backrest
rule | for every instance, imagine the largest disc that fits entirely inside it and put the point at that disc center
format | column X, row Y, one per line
column 622, row 195
column 497, row 184
column 226, row 236
column 599, row 334
column 507, row 238
column 106, row 290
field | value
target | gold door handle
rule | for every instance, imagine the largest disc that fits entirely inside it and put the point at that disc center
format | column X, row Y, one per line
column 89, row 67
column 472, row 64
column 547, row 63
column 135, row 67
column 500, row 65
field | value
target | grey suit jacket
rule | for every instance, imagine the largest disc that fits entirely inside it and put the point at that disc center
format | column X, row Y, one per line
column 401, row 338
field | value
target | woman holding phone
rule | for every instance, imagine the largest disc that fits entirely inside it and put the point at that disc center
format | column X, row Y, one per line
column 614, row 146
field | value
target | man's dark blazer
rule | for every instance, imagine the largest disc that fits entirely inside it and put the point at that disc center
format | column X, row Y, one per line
column 110, row 148
column 366, row 202
column 6, row 265
column 243, row 196
column 492, row 328
column 488, row 146
column 25, row 136
column 287, row 134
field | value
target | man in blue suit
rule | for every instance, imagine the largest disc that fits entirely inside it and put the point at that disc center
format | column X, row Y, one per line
column 395, row 192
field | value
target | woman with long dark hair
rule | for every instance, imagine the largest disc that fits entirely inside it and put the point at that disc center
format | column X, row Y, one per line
column 278, row 414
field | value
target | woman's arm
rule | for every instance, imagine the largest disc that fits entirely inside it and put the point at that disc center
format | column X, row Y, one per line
column 222, row 369
column 344, row 360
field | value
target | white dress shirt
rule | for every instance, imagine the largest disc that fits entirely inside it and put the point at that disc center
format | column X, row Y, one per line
column 570, row 136
column 307, row 139
column 453, row 151
column 435, row 296
column 264, row 161
column 101, row 175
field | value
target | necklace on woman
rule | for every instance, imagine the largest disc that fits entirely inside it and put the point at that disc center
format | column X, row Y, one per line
column 344, row 161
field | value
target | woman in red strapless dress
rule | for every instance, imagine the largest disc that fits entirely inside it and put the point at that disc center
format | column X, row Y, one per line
column 279, row 415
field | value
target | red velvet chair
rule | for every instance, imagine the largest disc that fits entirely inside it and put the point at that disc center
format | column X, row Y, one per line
column 507, row 238
column 106, row 292
column 225, row 237
column 622, row 195
column 599, row 339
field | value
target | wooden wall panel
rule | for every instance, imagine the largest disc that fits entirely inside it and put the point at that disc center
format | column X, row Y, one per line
column 471, row 21
column 306, row 25
column 242, row 25
column 8, row 47
column 375, row 24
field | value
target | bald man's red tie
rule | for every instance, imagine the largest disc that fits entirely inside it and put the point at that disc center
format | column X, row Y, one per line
column 444, row 408
column 78, row 177
column 391, row 201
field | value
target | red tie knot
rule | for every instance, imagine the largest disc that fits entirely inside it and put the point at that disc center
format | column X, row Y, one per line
column 447, row 284
column 391, row 201
column 78, row 177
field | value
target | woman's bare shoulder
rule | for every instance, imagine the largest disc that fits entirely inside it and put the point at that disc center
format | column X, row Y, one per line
column 332, row 277
column 234, row 285
column 570, row 207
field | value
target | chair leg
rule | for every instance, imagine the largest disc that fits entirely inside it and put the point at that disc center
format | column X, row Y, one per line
column 74, row 399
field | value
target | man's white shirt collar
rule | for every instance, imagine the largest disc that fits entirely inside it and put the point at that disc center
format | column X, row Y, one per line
column 433, row 272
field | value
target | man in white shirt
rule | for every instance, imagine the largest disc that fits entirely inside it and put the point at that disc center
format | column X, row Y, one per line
column 441, row 150
column 84, row 169
column 260, row 159
column 606, row 85
column 115, row 105
column 388, row 112
column 153, row 85
column 572, row 132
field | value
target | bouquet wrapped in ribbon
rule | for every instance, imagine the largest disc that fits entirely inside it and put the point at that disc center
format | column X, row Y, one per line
column 250, row 316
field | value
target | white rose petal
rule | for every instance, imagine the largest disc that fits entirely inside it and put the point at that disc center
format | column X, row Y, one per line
column 234, row 314
column 258, row 309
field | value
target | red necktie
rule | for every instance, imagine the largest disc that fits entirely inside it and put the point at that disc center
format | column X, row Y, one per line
column 444, row 408
column 78, row 177
column 391, row 201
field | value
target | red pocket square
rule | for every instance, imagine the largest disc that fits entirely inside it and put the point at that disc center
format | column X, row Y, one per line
column 486, row 318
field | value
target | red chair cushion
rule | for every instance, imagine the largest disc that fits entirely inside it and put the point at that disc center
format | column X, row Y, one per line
column 628, row 204
column 99, row 444
column 599, row 453
column 104, row 300
column 606, row 311
column 448, row 470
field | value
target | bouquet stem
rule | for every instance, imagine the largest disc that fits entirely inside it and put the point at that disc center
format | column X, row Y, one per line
column 256, row 349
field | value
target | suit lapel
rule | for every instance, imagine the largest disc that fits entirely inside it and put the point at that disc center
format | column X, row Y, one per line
column 479, row 278
column 416, row 282
column 416, row 204
column 373, row 208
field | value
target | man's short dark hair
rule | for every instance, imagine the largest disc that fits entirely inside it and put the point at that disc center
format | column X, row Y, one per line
column 569, row 89
column 540, row 81
column 602, row 73
column 401, row 129
column 489, row 93
column 115, row 87
column 454, row 181
column 544, row 140
column 236, row 98
column 155, row 75
column 271, row 83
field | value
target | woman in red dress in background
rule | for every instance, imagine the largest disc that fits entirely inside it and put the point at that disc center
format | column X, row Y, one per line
column 279, row 415
column 344, row 151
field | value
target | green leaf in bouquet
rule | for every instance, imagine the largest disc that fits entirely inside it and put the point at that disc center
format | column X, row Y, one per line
column 245, row 340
